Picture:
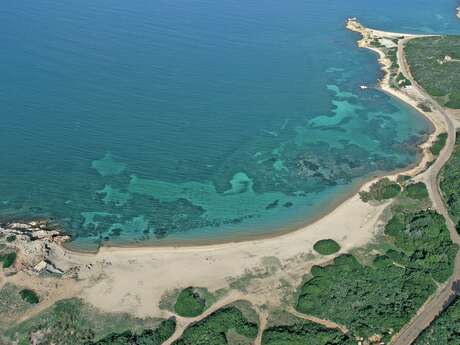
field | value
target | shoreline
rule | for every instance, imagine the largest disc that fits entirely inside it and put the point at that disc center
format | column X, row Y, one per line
column 137, row 280
column 414, row 169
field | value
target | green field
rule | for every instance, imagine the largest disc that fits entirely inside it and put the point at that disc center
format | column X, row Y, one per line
column 435, row 65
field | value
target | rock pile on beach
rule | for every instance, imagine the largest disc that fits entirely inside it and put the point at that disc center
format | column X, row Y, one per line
column 36, row 243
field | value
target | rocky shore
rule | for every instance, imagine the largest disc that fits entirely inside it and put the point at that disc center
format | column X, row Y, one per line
column 36, row 244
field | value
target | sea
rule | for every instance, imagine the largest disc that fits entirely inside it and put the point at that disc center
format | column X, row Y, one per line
column 155, row 122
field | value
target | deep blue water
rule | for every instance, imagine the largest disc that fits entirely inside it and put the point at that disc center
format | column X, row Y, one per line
column 179, row 120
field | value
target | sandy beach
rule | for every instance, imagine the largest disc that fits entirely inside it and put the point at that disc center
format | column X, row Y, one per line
column 262, row 271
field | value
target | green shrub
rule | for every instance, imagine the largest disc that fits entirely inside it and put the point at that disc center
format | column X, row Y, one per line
column 381, row 190
column 8, row 259
column 450, row 183
column 326, row 247
column 439, row 77
column 303, row 332
column 11, row 238
column 439, row 144
column 445, row 329
column 416, row 191
column 381, row 297
column 148, row 337
column 190, row 303
column 213, row 329
column 29, row 296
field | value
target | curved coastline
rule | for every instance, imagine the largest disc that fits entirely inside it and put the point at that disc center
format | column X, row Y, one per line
column 417, row 167
column 149, row 273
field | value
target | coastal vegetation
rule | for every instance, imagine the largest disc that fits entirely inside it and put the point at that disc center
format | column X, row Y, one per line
column 381, row 190
column 450, row 183
column 72, row 322
column 416, row 191
column 220, row 328
column 299, row 331
column 12, row 306
column 379, row 297
column 445, row 329
column 190, row 303
column 435, row 64
column 8, row 259
column 326, row 247
column 439, row 144
column 29, row 296
column 148, row 337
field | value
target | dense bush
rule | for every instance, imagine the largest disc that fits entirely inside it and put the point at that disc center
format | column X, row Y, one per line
column 190, row 303
column 381, row 297
column 450, row 183
column 430, row 68
column 326, row 247
column 381, row 190
column 445, row 330
column 29, row 296
column 416, row 191
column 148, row 337
column 8, row 259
column 214, row 329
column 302, row 333
column 439, row 144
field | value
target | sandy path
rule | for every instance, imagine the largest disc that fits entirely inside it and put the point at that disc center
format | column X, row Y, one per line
column 323, row 322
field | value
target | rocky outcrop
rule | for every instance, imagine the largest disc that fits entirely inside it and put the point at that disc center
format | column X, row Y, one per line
column 36, row 244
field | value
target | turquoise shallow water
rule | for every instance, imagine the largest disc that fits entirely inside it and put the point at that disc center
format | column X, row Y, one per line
column 195, row 120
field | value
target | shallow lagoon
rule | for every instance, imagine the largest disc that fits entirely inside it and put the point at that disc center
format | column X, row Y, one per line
column 181, row 121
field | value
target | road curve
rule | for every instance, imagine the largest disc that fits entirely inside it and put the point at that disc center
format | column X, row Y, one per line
column 446, row 292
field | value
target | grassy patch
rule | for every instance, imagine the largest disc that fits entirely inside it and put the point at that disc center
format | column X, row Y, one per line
column 190, row 303
column 326, row 247
column 439, row 144
column 216, row 328
column 12, row 306
column 71, row 322
column 383, row 189
column 29, row 296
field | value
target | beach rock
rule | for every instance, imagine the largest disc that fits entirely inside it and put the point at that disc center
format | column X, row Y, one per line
column 37, row 245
